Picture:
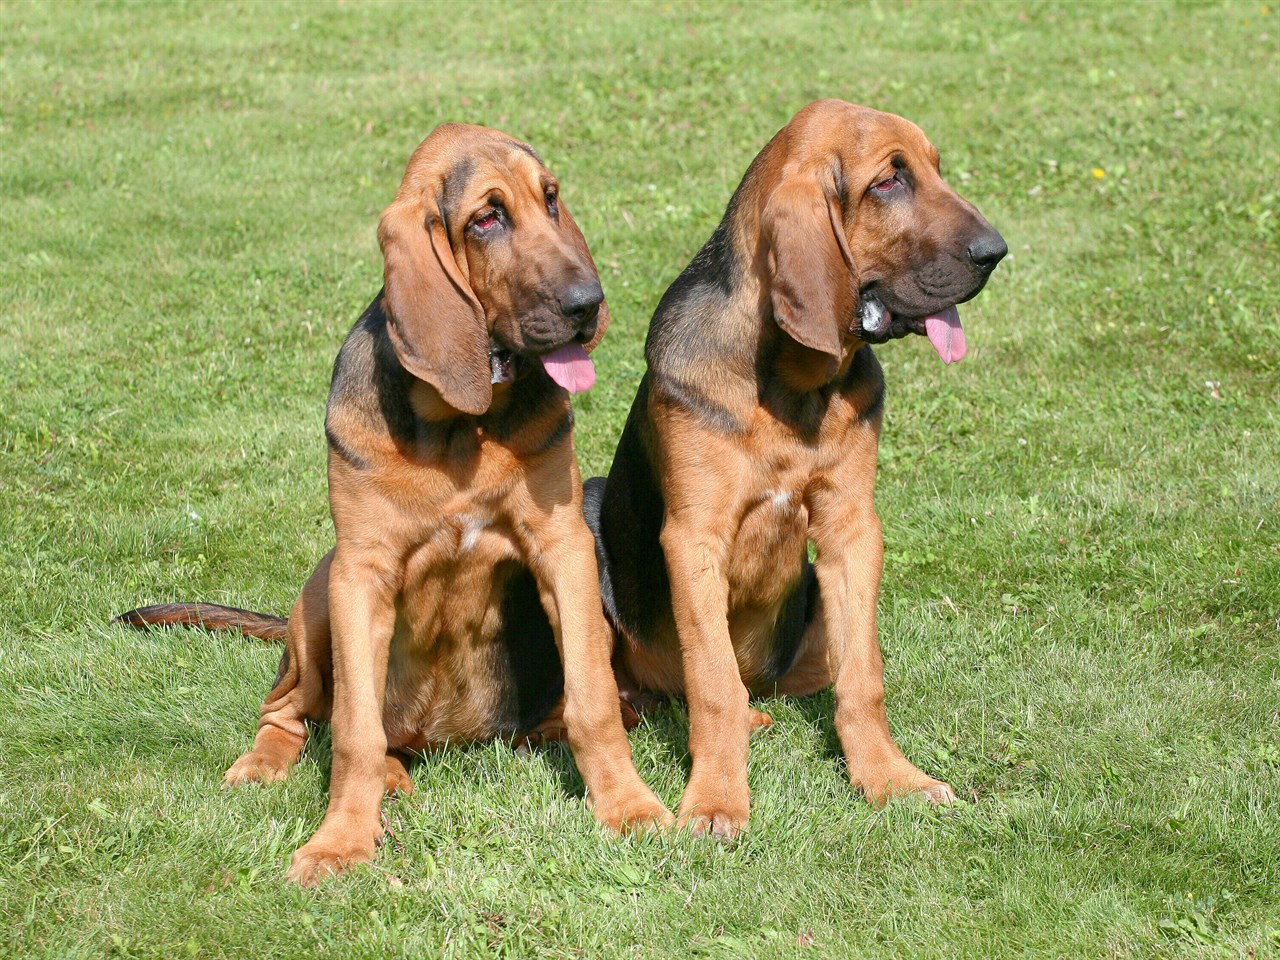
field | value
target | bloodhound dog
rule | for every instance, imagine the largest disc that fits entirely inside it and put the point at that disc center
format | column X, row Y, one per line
column 755, row 431
column 463, row 574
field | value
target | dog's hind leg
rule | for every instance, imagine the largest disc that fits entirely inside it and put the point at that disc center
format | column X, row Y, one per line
column 552, row 728
column 811, row 670
column 399, row 782
column 300, row 692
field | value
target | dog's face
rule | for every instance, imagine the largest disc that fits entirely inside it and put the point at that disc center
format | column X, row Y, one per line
column 900, row 248
column 527, row 262
column 925, row 249
column 487, row 275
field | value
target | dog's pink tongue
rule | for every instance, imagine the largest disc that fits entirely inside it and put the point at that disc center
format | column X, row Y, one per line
column 945, row 333
column 571, row 368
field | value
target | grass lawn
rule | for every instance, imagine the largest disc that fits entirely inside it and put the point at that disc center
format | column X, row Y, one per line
column 1082, row 520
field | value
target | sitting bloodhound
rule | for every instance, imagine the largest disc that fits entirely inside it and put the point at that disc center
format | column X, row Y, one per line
column 463, row 574
column 755, row 430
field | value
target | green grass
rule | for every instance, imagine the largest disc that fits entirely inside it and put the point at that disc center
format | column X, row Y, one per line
column 1082, row 592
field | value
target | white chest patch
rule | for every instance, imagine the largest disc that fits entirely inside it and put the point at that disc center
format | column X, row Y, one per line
column 470, row 526
column 781, row 499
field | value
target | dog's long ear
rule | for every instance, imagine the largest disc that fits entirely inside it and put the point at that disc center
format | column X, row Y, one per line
column 437, row 325
column 812, row 284
column 579, row 243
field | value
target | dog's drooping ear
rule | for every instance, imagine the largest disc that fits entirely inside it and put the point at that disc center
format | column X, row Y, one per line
column 437, row 325
column 812, row 285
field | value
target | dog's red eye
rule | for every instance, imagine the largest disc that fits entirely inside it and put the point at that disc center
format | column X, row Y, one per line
column 488, row 220
column 886, row 185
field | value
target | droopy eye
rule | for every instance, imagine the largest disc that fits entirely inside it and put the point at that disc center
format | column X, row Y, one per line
column 490, row 218
column 884, row 186
column 552, row 207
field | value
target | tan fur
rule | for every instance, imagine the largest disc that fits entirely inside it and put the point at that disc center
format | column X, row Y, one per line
column 741, row 503
column 392, row 636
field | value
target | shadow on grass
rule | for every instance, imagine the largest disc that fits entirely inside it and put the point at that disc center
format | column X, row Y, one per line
column 666, row 722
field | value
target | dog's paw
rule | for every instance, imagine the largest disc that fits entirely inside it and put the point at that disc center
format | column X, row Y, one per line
column 320, row 859
column 940, row 794
column 718, row 825
column 641, row 812
column 255, row 767
column 709, row 815
column 759, row 720
column 901, row 779
column 398, row 781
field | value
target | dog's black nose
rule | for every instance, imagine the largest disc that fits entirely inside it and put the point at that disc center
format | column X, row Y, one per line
column 580, row 302
column 988, row 250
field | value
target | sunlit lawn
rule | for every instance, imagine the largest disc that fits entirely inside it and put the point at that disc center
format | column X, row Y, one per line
column 1082, row 590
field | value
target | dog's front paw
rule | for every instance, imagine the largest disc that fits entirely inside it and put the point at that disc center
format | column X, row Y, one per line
column 639, row 812
column 717, row 817
column 320, row 859
column 718, row 826
column 939, row 794
column 901, row 778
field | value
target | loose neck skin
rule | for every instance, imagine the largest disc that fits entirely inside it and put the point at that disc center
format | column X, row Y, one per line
column 428, row 405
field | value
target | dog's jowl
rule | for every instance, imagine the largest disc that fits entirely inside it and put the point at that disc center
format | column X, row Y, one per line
column 754, row 432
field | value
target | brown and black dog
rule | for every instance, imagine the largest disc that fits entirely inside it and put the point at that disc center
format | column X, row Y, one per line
column 755, row 431
column 463, row 574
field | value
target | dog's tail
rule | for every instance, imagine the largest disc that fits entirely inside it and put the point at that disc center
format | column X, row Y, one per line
column 210, row 616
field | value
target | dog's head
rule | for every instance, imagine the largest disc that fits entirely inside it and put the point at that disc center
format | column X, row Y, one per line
column 864, row 236
column 487, row 275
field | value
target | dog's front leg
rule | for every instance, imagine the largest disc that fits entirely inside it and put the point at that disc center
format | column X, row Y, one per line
column 717, row 799
column 565, row 568
column 847, row 533
column 362, row 618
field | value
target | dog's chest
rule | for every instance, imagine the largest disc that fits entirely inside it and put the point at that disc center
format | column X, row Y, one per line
column 771, row 534
column 447, row 671
column 780, row 471
column 449, row 578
